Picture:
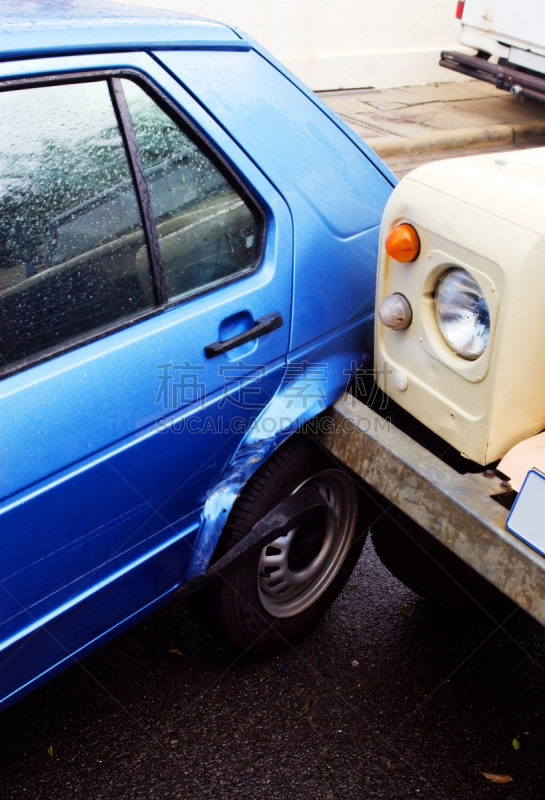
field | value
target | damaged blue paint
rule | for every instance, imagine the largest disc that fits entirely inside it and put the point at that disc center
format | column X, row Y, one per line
column 286, row 413
column 256, row 447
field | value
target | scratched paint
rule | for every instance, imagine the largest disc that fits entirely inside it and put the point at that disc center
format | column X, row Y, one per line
column 285, row 414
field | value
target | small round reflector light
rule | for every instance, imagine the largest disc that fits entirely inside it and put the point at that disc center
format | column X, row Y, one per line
column 395, row 312
column 403, row 243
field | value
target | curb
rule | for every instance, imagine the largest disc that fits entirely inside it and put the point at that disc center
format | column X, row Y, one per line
column 461, row 139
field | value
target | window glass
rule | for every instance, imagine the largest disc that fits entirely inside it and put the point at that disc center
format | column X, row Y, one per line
column 207, row 233
column 72, row 250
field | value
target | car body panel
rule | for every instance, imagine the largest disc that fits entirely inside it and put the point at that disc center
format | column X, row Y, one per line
column 315, row 375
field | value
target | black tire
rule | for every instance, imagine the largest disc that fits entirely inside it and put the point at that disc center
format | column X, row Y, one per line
column 433, row 571
column 233, row 607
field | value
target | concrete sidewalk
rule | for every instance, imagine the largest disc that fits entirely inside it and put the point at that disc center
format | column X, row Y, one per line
column 413, row 124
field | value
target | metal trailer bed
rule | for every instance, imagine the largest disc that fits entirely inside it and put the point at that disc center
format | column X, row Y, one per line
column 458, row 510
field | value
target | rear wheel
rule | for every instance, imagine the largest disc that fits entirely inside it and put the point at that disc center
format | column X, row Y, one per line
column 280, row 593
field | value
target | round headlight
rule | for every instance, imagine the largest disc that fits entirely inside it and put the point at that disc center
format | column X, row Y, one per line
column 461, row 313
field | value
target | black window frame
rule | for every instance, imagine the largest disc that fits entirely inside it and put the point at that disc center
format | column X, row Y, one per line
column 140, row 184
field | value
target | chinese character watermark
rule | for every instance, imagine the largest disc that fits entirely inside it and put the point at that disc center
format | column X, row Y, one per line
column 178, row 389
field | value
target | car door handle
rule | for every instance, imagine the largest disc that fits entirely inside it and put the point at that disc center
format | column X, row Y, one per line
column 268, row 323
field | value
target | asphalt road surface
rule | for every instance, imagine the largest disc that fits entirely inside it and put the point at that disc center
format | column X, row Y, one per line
column 431, row 704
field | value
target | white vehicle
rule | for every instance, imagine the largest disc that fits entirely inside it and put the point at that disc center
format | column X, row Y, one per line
column 468, row 360
column 509, row 37
column 458, row 460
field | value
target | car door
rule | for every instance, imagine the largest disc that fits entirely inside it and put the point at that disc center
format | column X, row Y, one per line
column 132, row 253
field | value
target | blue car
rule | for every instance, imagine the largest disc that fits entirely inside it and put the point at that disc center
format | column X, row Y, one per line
column 188, row 248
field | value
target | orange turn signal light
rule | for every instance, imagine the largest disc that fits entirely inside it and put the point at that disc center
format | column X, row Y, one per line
column 403, row 243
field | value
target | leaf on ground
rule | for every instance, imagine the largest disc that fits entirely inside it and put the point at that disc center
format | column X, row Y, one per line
column 405, row 610
column 174, row 650
column 498, row 778
column 50, row 750
column 516, row 744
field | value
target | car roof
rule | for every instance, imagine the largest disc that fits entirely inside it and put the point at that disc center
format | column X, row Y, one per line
column 44, row 27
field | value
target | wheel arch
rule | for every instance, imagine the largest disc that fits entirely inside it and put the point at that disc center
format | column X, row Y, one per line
column 248, row 458
column 288, row 410
column 257, row 445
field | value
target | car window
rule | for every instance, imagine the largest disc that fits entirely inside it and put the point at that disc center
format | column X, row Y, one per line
column 72, row 250
column 207, row 232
